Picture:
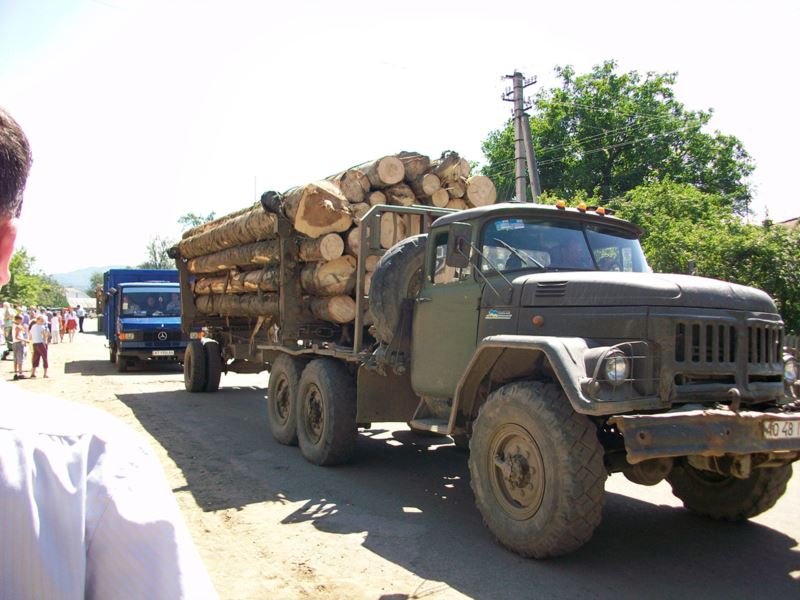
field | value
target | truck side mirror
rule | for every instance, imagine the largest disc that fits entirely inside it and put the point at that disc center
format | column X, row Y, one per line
column 459, row 241
column 112, row 291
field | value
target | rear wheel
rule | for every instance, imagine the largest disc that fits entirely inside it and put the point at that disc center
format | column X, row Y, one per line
column 326, row 413
column 536, row 470
column 284, row 381
column 194, row 367
column 726, row 498
column 213, row 365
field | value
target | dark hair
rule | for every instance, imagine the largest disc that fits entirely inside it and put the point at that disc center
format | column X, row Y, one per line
column 15, row 162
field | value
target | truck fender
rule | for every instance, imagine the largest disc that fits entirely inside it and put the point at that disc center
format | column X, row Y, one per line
column 504, row 358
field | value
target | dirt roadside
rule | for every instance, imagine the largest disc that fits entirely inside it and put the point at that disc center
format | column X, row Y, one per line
column 400, row 522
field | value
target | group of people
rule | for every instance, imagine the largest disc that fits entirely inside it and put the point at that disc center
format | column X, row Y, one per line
column 29, row 331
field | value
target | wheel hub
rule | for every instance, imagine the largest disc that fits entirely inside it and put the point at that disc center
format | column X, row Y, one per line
column 282, row 400
column 517, row 480
column 315, row 414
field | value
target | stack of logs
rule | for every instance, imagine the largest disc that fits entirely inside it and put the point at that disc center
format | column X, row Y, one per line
column 234, row 259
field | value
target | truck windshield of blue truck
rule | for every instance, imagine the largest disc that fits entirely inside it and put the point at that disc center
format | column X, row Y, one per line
column 512, row 244
column 150, row 302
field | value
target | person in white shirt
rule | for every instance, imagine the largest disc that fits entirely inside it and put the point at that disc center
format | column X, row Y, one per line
column 81, row 313
column 55, row 328
column 39, row 337
column 85, row 511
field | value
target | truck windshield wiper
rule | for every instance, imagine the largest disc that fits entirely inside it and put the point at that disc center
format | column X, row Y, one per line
column 523, row 256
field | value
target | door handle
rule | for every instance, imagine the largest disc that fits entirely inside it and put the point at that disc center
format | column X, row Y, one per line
column 423, row 299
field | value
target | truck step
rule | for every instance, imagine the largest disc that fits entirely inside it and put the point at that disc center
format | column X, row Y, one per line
column 430, row 424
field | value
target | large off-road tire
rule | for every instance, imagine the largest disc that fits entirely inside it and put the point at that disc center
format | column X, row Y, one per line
column 326, row 413
column 536, row 470
column 213, row 365
column 398, row 276
column 284, row 383
column 726, row 498
column 194, row 367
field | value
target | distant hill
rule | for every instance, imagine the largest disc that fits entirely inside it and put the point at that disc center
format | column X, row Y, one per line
column 80, row 278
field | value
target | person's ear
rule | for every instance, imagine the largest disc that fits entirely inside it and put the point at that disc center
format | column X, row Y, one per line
column 8, row 237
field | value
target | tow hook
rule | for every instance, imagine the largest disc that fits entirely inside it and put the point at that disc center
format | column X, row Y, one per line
column 736, row 399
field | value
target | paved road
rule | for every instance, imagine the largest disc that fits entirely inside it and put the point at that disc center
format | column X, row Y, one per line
column 400, row 522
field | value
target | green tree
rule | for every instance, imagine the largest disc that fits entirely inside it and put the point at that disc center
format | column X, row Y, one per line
column 28, row 287
column 157, row 257
column 604, row 133
column 190, row 219
column 94, row 280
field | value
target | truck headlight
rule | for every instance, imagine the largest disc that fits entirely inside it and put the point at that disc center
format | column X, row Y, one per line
column 790, row 371
column 616, row 367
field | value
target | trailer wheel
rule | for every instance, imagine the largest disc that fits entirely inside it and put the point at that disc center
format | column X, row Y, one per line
column 284, row 381
column 326, row 413
column 194, row 367
column 724, row 497
column 536, row 470
column 397, row 277
column 213, row 365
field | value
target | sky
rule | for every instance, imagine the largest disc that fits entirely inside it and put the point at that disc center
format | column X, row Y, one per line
column 140, row 111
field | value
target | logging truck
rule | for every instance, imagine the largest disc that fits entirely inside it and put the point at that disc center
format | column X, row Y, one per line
column 536, row 336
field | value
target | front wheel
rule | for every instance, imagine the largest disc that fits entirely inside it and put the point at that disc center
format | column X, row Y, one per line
column 326, row 413
column 213, row 365
column 194, row 367
column 726, row 498
column 536, row 470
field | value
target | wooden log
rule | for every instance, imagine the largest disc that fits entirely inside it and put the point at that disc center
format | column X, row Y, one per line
column 383, row 172
column 481, row 191
column 265, row 280
column 440, row 198
column 400, row 195
column 414, row 164
column 413, row 225
column 259, row 253
column 425, row 185
column 367, row 281
column 238, row 305
column 393, row 229
column 337, row 309
column 328, row 247
column 203, row 227
column 353, row 241
column 376, row 197
column 330, row 278
column 450, row 167
column 359, row 210
column 317, row 208
column 242, row 228
column 457, row 204
column 353, row 184
column 457, row 188
column 371, row 262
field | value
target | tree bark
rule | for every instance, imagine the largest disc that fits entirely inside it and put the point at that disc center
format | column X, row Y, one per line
column 337, row 309
column 359, row 210
column 203, row 227
column 353, row 184
column 400, row 195
column 384, row 172
column 238, row 305
column 330, row 278
column 353, row 242
column 450, row 167
column 266, row 280
column 317, row 208
column 481, row 191
column 414, row 164
column 242, row 228
column 259, row 253
column 328, row 247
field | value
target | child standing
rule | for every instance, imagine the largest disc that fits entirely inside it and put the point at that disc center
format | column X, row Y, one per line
column 39, row 338
column 19, row 339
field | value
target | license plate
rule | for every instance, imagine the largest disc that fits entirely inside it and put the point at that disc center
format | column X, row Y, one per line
column 782, row 430
column 163, row 352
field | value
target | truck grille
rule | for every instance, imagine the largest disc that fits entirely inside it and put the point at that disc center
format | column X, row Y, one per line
column 152, row 336
column 551, row 289
column 705, row 343
column 765, row 344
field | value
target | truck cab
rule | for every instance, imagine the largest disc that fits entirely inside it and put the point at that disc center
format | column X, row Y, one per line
column 142, row 318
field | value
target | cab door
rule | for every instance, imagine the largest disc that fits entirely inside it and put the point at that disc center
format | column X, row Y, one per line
column 445, row 325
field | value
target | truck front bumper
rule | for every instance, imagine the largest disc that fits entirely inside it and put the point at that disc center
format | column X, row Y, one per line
column 152, row 354
column 708, row 433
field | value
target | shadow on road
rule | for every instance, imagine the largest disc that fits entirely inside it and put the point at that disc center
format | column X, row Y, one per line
column 106, row 367
column 410, row 495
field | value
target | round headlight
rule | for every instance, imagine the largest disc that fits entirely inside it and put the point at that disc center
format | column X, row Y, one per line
column 790, row 371
column 616, row 368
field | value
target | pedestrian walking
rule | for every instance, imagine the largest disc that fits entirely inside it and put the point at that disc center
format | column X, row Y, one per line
column 39, row 341
column 55, row 328
column 81, row 314
column 72, row 324
column 19, row 340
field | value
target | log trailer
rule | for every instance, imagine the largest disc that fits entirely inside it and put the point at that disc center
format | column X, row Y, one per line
column 538, row 338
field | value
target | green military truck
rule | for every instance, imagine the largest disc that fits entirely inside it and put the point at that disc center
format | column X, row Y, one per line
column 538, row 338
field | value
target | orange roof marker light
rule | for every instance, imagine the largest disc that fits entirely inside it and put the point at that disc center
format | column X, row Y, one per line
column 582, row 207
column 561, row 204
column 600, row 210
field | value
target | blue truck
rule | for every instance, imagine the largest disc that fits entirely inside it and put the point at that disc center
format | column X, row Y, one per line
column 142, row 317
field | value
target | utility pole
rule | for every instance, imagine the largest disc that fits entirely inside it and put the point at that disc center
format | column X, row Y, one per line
column 524, row 158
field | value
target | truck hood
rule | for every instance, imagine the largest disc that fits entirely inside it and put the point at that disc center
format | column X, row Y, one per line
column 602, row 288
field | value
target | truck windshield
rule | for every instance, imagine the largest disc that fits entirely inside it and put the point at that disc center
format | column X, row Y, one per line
column 150, row 302
column 513, row 244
